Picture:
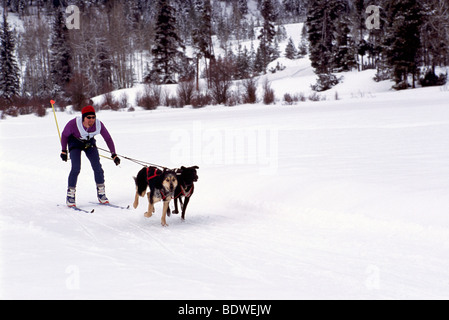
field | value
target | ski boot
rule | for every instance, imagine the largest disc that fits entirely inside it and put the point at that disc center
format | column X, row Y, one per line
column 70, row 201
column 101, row 194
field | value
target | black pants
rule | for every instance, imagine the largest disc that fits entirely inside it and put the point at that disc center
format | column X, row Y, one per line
column 94, row 158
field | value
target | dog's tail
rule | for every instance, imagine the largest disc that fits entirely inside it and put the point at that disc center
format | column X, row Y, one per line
column 140, row 187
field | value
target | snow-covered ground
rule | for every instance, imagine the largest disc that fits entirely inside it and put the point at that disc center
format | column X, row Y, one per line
column 336, row 199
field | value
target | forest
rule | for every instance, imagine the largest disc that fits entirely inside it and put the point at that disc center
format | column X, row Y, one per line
column 72, row 50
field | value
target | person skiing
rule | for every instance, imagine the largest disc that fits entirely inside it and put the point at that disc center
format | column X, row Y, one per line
column 79, row 135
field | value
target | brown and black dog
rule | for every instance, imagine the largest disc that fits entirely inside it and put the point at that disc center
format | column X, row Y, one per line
column 162, row 184
column 186, row 178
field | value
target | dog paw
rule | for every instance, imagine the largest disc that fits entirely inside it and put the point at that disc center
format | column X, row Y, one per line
column 164, row 224
column 147, row 215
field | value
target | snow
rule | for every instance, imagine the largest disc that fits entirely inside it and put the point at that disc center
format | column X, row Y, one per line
column 337, row 199
column 13, row 20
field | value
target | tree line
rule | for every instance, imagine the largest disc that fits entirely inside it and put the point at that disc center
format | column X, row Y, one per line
column 121, row 43
column 410, row 40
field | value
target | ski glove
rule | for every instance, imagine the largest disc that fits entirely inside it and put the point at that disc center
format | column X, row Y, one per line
column 64, row 155
column 116, row 159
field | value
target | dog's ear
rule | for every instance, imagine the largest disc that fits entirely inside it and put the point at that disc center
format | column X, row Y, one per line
column 195, row 167
column 182, row 167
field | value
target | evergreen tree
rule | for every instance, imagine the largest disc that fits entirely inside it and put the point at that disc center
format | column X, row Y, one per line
column 61, row 54
column 258, row 65
column 320, row 36
column 243, row 6
column 359, row 17
column 267, row 33
column 324, row 21
column 18, row 6
column 294, row 8
column 202, row 33
column 167, row 42
column 9, row 71
column 290, row 50
column 243, row 64
column 202, row 38
column 275, row 52
column 345, row 48
column 402, row 41
column 302, row 48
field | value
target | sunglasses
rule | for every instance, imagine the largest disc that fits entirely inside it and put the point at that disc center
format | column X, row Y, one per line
column 91, row 117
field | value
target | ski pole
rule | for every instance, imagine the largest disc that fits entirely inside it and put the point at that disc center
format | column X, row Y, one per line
column 56, row 120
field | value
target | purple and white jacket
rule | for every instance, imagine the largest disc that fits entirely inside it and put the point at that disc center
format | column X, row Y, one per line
column 75, row 135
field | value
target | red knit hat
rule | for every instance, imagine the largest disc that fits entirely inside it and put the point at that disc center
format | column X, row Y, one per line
column 88, row 111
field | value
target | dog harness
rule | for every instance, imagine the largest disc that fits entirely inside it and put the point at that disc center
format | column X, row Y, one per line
column 159, row 193
column 186, row 192
column 154, row 174
column 170, row 195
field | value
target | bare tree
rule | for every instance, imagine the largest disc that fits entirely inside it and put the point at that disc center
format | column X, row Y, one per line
column 435, row 33
column 185, row 92
column 33, row 54
column 220, row 79
column 250, row 86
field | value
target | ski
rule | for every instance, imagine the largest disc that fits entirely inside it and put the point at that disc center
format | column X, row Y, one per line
column 78, row 209
column 82, row 210
column 111, row 205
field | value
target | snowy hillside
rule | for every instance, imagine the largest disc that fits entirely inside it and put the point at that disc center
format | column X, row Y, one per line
column 334, row 199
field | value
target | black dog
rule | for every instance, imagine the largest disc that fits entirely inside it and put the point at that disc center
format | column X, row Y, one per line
column 162, row 184
column 186, row 178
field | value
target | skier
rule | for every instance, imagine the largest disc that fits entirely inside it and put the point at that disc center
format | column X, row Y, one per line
column 79, row 135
